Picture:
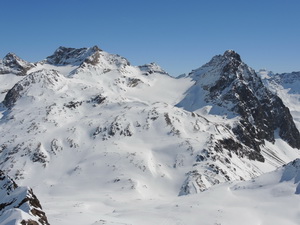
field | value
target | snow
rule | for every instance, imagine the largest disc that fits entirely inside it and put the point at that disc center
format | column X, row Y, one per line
column 286, row 86
column 64, row 70
column 7, row 82
column 125, row 159
column 264, row 200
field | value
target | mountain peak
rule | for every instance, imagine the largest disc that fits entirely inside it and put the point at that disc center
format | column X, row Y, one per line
column 10, row 56
column 72, row 50
column 96, row 48
column 71, row 56
column 11, row 63
column 232, row 54
column 228, row 83
column 152, row 68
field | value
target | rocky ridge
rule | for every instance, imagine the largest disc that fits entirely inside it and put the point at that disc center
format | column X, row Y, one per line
column 229, row 83
column 65, row 56
column 11, row 63
column 16, row 201
column 99, row 113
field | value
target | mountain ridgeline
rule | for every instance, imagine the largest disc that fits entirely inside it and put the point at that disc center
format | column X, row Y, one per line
column 11, row 63
column 229, row 83
column 83, row 113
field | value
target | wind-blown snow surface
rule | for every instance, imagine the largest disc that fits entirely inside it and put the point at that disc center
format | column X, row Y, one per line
column 102, row 142
column 272, row 198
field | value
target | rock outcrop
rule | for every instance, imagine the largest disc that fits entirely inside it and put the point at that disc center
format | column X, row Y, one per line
column 73, row 56
column 228, row 83
column 16, row 201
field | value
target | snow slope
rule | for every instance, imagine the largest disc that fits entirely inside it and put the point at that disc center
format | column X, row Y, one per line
column 103, row 142
column 272, row 198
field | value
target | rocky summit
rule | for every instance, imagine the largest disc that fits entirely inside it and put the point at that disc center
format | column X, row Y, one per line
column 91, row 133
column 11, row 63
column 65, row 56
column 228, row 83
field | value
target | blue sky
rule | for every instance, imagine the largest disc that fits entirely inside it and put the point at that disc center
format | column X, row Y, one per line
column 178, row 35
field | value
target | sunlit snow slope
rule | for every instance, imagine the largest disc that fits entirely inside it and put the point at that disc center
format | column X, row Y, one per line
column 99, row 140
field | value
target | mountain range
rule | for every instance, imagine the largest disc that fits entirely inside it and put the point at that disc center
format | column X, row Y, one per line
column 97, row 139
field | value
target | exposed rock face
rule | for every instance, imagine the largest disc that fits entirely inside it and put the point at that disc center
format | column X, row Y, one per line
column 16, row 200
column 13, row 64
column 229, row 83
column 73, row 56
column 152, row 68
column 85, row 59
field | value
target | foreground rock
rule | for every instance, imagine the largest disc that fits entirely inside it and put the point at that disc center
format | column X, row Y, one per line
column 19, row 205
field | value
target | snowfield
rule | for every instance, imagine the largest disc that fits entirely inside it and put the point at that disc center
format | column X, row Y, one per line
column 103, row 142
column 272, row 198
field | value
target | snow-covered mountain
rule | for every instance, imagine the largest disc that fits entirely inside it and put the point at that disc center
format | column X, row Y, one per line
column 15, row 65
column 230, row 85
column 287, row 87
column 84, row 128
